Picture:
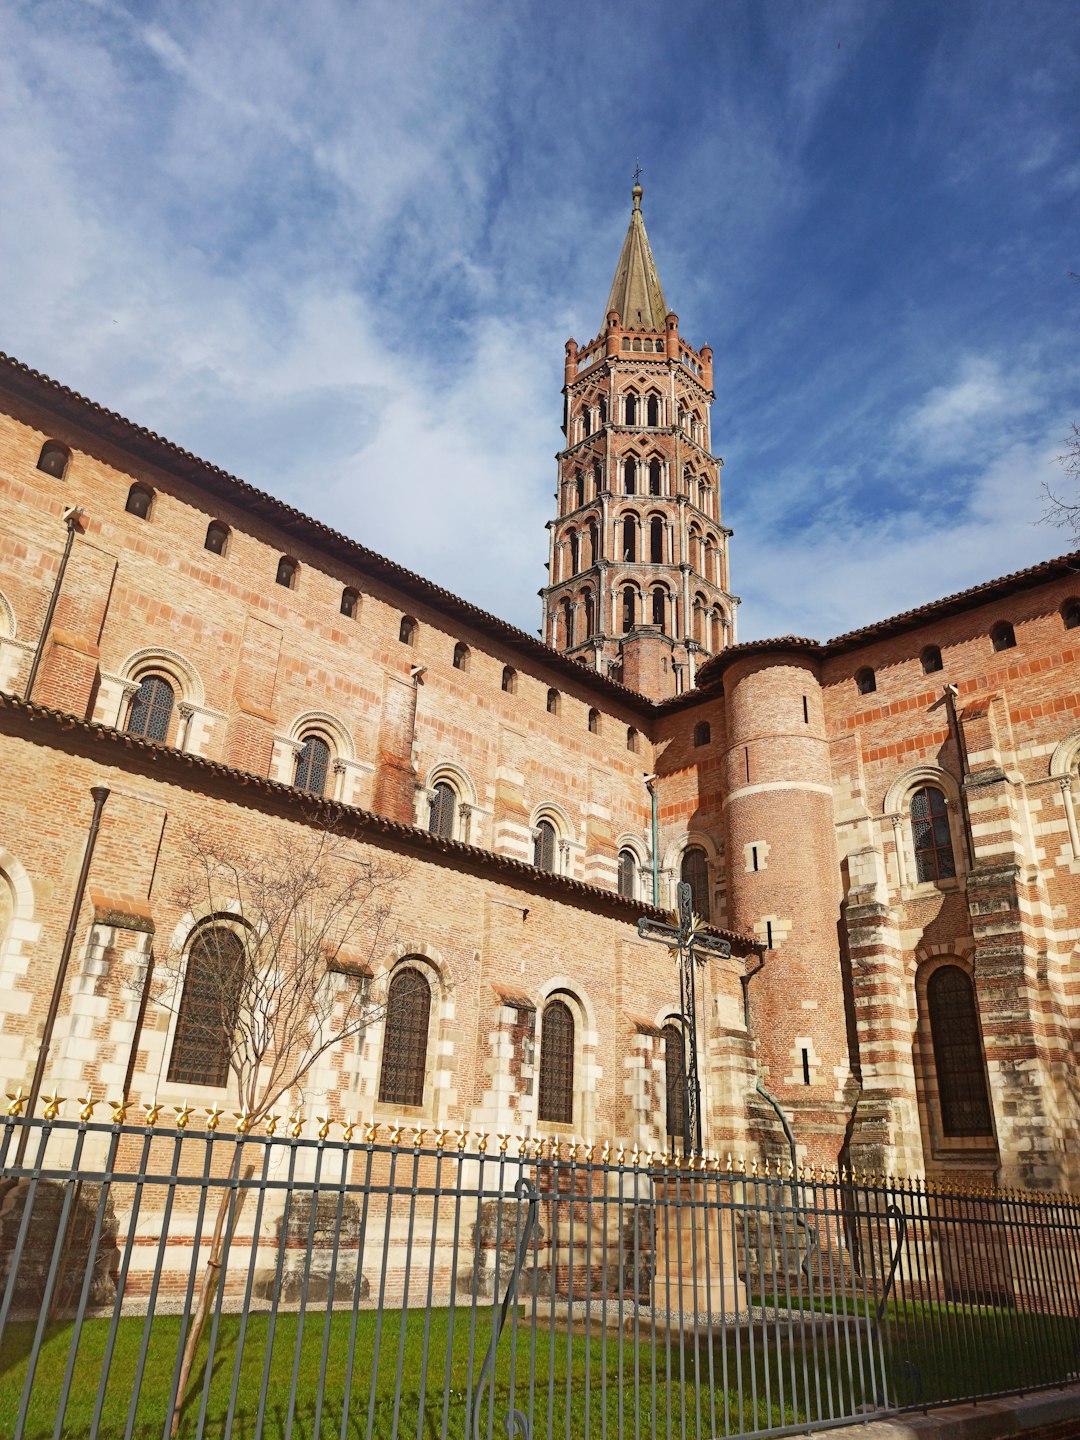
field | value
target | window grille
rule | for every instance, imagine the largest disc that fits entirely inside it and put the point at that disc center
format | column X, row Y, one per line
column 151, row 709
column 408, row 1011
column 958, row 1057
column 138, row 502
column 627, row 873
column 544, row 846
column 695, row 871
column 931, row 835
column 206, row 1019
column 675, row 1077
column 312, row 766
column 53, row 459
column 556, row 1100
column 443, row 811
column 217, row 537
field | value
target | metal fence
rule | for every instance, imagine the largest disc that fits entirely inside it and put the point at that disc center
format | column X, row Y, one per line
column 397, row 1281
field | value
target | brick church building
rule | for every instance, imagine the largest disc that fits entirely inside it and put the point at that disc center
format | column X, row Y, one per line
column 884, row 825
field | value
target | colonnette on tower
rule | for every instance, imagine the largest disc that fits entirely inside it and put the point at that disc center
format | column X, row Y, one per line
column 884, row 825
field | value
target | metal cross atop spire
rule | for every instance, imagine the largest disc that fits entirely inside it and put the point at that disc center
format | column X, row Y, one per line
column 684, row 938
column 638, row 172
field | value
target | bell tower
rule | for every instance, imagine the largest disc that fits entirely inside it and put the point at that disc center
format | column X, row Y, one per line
column 638, row 582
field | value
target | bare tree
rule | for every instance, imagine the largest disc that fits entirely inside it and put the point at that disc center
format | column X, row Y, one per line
column 273, row 978
column 1064, row 511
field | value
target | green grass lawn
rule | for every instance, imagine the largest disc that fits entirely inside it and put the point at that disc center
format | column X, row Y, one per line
column 567, row 1384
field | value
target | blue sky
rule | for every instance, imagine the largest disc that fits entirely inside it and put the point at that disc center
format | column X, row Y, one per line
column 338, row 248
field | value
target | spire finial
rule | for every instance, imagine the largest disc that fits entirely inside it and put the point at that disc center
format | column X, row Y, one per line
column 637, row 192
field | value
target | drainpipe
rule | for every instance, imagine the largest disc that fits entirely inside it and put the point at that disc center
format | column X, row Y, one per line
column 73, row 518
column 954, row 724
column 144, row 1000
column 760, row 1084
column 650, row 785
column 100, row 794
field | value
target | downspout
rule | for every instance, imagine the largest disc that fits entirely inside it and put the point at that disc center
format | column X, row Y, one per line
column 73, row 518
column 954, row 726
column 144, row 1000
column 100, row 794
column 650, row 785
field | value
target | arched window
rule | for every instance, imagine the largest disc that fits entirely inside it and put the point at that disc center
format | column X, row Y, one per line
column 509, row 679
column 461, row 656
column 586, row 420
column 405, row 1039
column 139, row 501
column 675, row 1077
column 574, row 541
column 1003, row 636
column 654, row 477
column 627, row 874
column 630, row 476
column 958, row 1056
column 594, row 722
column 1070, row 614
column 652, row 411
column 407, row 630
column 286, row 572
column 931, row 659
column 628, row 607
column 579, row 488
column 350, row 600
column 594, row 546
column 631, row 409
column 865, row 681
column 598, row 478
column 702, row 734
column 699, row 619
column 589, row 612
column 312, row 765
column 629, row 537
column 632, row 739
column 603, row 409
column 567, row 609
column 553, row 702
column 443, row 811
column 217, row 537
column 151, row 709
column 53, row 459
column 695, row 872
column 656, row 540
column 544, row 846
column 930, row 835
column 556, row 1101
column 207, row 1014
column 659, row 597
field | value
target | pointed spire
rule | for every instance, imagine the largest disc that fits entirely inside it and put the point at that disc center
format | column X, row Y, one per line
column 635, row 291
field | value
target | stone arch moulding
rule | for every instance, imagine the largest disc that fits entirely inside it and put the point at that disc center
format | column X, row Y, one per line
column 174, row 666
column 549, row 810
column 1063, row 768
column 896, row 811
column 635, row 843
column 8, row 627
column 419, row 950
column 321, row 722
column 190, row 921
column 703, row 841
column 20, row 882
column 456, row 777
column 1064, row 760
column 906, row 783
column 562, row 987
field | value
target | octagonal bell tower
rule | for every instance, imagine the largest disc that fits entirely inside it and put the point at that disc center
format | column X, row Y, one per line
column 638, row 583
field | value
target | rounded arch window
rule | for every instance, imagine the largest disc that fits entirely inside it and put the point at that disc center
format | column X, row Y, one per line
column 553, row 702
column 630, row 537
column 443, row 814
column 963, row 1096
column 865, row 681
column 629, row 607
column 652, row 411
column 566, row 608
column 589, row 612
column 53, row 459
column 931, row 836
column 350, row 602
column 151, row 709
column 405, row 1038
column 594, row 722
column 603, row 409
column 630, row 476
column 631, row 408
column 544, row 846
column 139, row 501
column 1070, row 614
column 655, row 478
column 632, row 739
column 702, row 734
column 586, row 420
column 286, row 572
column 931, row 660
column 461, row 656
column 509, row 679
column 659, row 605
column 627, row 874
column 312, row 765
column 556, row 1089
column 675, row 1080
column 407, row 630
column 1003, row 636
column 217, row 537
column 209, row 1006
column 694, row 871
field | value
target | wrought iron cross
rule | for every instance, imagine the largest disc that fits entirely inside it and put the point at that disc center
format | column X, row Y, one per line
column 685, row 940
column 638, row 172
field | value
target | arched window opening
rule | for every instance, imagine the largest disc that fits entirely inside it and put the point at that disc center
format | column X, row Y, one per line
column 407, row 630
column 597, row 478
column 629, row 537
column 656, row 540
column 151, row 709
column 695, row 872
column 139, row 501
column 509, row 679
column 603, row 409
column 312, row 765
column 589, row 610
column 579, row 488
column 209, row 1004
column 556, row 1098
column 958, row 1057
column 865, row 681
column 675, row 1078
column 586, row 420
column 405, row 1039
column 931, row 660
column 217, row 537
column 443, row 811
column 652, row 411
column 1003, row 636
column 630, row 410
column 574, row 542
column 632, row 739
column 702, row 734
column 461, row 656
column 655, row 477
column 931, row 836
column 628, row 608
column 553, row 702
column 699, row 619
column 659, row 599
column 567, row 610
column 630, row 476
column 1070, row 614
column 594, row 722
column 544, row 846
column 627, row 874
column 53, row 459
column 286, row 572
column 350, row 602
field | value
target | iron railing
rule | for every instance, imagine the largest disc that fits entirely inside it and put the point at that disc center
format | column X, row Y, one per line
column 440, row 1283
